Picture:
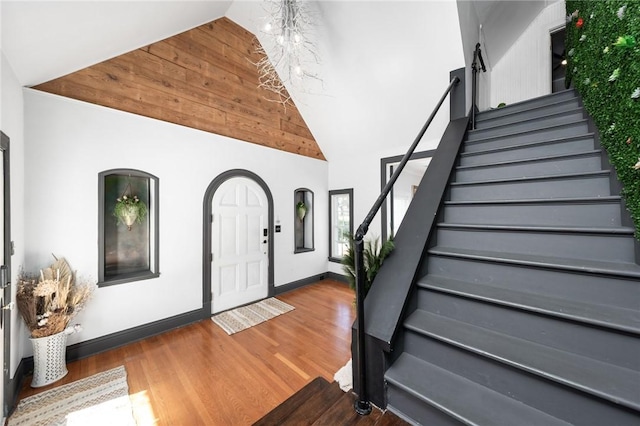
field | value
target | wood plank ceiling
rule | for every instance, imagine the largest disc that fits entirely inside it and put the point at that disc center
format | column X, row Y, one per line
column 204, row 78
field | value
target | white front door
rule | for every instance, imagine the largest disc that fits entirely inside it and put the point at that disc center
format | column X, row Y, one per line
column 239, row 241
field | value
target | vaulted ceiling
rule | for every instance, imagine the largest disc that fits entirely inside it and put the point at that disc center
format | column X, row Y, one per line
column 204, row 78
column 384, row 63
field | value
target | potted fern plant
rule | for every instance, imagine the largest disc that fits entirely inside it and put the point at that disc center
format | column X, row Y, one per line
column 374, row 255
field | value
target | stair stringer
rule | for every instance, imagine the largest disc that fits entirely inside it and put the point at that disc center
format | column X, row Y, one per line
column 390, row 295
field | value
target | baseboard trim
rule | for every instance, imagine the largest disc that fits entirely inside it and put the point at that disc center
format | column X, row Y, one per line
column 337, row 277
column 294, row 285
column 14, row 386
column 102, row 344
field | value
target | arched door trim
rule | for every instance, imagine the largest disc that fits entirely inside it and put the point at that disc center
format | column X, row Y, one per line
column 206, row 231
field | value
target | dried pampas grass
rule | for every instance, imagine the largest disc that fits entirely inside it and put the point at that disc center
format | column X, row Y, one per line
column 48, row 305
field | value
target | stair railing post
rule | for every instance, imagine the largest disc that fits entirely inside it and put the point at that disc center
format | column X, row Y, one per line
column 474, row 84
column 362, row 404
column 477, row 55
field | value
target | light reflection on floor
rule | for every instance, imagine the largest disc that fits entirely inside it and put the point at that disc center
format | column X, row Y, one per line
column 345, row 315
column 142, row 409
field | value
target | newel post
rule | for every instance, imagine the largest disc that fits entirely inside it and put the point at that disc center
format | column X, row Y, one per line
column 362, row 404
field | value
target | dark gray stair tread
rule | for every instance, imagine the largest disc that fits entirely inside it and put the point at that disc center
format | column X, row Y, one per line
column 522, row 132
column 510, row 113
column 465, row 400
column 601, row 315
column 617, row 384
column 618, row 230
column 531, row 160
column 532, row 120
column 537, row 178
column 526, row 145
column 589, row 200
column 528, row 104
column 620, row 269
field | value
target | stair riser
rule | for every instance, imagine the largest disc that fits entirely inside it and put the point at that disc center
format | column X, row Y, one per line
column 567, row 146
column 565, row 131
column 619, row 349
column 585, row 287
column 562, row 402
column 525, row 126
column 605, row 247
column 528, row 114
column 526, row 105
column 597, row 186
column 410, row 407
column 580, row 164
column 580, row 215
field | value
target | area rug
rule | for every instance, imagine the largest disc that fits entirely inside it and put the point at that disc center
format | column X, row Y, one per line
column 101, row 399
column 245, row 317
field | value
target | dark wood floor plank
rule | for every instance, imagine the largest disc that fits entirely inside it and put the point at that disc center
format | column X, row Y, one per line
column 297, row 400
column 314, row 408
column 343, row 413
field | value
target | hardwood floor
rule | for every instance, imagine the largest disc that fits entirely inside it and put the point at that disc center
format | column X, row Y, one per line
column 198, row 375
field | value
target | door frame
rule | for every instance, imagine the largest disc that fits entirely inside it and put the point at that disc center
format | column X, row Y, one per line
column 207, row 216
column 8, row 392
column 385, row 217
column 553, row 32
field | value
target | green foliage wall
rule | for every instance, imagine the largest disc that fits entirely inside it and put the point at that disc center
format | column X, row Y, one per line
column 603, row 53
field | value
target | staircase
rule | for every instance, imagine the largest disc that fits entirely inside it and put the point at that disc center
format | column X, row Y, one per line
column 529, row 309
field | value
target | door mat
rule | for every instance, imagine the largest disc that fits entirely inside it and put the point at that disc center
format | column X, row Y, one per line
column 101, row 399
column 245, row 317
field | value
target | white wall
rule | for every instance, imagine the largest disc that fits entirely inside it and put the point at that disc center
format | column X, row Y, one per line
column 470, row 35
column 384, row 66
column 524, row 72
column 69, row 142
column 12, row 124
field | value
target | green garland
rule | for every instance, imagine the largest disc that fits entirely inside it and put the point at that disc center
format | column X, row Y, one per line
column 603, row 53
column 124, row 203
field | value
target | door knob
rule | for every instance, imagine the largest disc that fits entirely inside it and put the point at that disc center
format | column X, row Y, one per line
column 8, row 307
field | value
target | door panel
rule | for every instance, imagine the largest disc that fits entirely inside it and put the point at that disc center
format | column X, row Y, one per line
column 239, row 269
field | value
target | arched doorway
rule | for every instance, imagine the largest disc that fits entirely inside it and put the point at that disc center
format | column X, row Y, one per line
column 238, row 248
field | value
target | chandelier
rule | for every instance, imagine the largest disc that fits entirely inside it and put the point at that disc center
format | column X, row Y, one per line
column 290, row 54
